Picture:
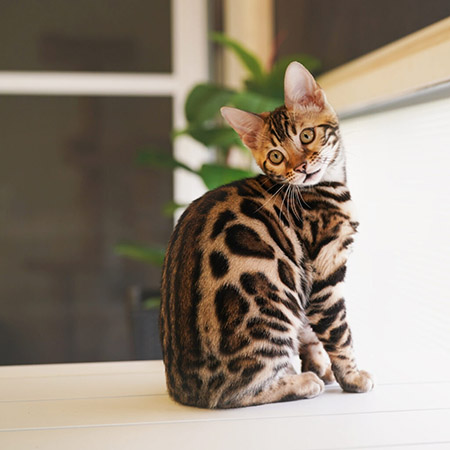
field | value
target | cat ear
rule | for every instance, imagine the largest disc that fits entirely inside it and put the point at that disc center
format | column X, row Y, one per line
column 300, row 87
column 246, row 124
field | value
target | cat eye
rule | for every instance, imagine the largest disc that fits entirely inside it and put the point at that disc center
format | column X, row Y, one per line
column 307, row 135
column 276, row 157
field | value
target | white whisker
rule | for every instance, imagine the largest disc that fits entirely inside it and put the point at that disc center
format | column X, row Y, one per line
column 282, row 203
column 263, row 205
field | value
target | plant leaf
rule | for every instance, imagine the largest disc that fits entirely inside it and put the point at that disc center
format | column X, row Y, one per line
column 248, row 59
column 171, row 207
column 160, row 160
column 151, row 303
column 255, row 102
column 204, row 101
column 215, row 175
column 153, row 255
column 222, row 137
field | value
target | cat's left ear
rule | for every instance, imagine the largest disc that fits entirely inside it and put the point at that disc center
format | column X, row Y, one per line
column 246, row 124
column 300, row 88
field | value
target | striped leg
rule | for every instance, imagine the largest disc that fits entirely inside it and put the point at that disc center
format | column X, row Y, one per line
column 327, row 316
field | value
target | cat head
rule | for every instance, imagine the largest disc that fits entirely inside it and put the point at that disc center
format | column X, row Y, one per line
column 299, row 142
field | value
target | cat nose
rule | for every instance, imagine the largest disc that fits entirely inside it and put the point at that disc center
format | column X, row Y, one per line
column 301, row 168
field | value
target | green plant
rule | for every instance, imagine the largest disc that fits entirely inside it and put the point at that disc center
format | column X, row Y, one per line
column 262, row 90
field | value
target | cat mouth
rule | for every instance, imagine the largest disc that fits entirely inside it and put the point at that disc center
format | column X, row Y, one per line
column 302, row 178
column 310, row 178
column 311, row 175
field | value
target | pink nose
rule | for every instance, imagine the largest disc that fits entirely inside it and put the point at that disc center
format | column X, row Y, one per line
column 301, row 168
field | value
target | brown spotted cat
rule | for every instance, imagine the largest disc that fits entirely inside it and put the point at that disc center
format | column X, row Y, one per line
column 254, row 270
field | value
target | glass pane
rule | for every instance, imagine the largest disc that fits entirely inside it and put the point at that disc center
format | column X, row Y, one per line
column 70, row 189
column 85, row 35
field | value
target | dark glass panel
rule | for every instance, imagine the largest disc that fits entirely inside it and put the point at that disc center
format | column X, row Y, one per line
column 70, row 189
column 86, row 35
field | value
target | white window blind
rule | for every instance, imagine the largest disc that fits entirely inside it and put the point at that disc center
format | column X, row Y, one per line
column 398, row 283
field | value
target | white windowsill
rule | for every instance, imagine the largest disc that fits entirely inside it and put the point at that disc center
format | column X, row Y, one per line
column 125, row 405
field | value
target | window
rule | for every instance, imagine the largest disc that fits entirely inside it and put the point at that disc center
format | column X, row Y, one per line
column 83, row 87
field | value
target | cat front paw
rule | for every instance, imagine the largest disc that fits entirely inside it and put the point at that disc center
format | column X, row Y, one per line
column 310, row 385
column 360, row 381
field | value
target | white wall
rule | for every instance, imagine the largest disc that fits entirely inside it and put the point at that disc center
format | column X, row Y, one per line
column 398, row 283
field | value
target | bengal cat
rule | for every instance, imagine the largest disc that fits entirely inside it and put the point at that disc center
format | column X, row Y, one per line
column 254, row 270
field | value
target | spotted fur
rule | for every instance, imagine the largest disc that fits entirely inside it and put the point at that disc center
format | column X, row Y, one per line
column 254, row 270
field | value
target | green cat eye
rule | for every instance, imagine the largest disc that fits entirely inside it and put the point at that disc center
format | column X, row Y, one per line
column 276, row 157
column 307, row 135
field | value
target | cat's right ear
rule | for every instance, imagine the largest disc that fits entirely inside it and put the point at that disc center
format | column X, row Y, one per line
column 300, row 88
column 246, row 124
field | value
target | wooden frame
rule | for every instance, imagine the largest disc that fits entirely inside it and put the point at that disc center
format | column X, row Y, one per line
column 251, row 22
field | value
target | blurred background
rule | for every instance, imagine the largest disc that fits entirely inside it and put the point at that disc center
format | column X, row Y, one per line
column 84, row 87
